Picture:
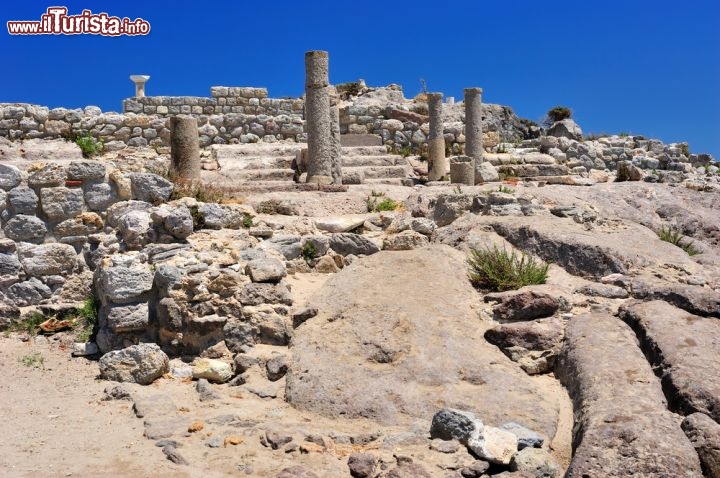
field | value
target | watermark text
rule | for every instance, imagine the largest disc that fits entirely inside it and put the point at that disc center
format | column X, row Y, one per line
column 56, row 21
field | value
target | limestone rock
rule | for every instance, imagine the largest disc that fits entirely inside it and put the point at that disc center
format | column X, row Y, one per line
column 142, row 363
column 538, row 463
column 62, row 203
column 10, row 176
column 100, row 196
column 29, row 292
column 149, row 187
column 370, row 335
column 494, row 445
column 22, row 200
column 266, row 269
column 704, row 434
column 121, row 282
column 340, row 223
column 405, row 241
column 623, row 425
column 535, row 345
column 86, row 171
column 47, row 259
column 485, row 173
column 25, row 228
column 566, row 128
column 346, row 243
column 212, row 370
column 47, row 176
column 127, row 318
column 526, row 305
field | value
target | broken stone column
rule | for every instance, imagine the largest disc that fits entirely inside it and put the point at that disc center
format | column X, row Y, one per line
column 317, row 118
column 437, row 163
column 336, row 146
column 462, row 170
column 139, row 81
column 473, row 128
column 184, row 148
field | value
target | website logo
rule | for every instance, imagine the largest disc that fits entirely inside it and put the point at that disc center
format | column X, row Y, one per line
column 56, row 21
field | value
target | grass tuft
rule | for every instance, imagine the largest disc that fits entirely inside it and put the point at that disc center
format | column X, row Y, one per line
column 675, row 237
column 499, row 270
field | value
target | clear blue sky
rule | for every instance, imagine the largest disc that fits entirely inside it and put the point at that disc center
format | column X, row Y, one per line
column 647, row 67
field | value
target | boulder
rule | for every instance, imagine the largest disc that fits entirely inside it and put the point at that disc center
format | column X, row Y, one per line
column 566, row 128
column 340, row 223
column 29, row 292
column 362, row 465
column 134, row 227
column 142, row 363
column 149, row 187
column 264, row 293
column 526, row 305
column 346, row 243
column 265, row 269
column 370, row 335
column 485, row 173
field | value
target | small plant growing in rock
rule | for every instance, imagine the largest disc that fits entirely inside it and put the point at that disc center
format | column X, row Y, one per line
column 33, row 360
column 309, row 251
column 247, row 221
column 88, row 145
column 499, row 270
column 675, row 237
column 506, row 190
column 87, row 316
column 386, row 204
column 457, row 189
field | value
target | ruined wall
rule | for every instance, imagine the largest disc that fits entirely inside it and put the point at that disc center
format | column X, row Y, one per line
column 246, row 115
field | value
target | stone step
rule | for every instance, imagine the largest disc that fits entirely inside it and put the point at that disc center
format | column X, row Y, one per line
column 374, row 172
column 384, row 160
column 260, row 186
column 256, row 149
column 256, row 162
column 387, row 181
column 364, row 150
column 220, row 178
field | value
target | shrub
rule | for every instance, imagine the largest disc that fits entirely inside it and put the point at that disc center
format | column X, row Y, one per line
column 499, row 270
column 386, row 204
column 247, row 221
column 675, row 237
column 89, row 145
column 506, row 190
column 559, row 113
column 309, row 251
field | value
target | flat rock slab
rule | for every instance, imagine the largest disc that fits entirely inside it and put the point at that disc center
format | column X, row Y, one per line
column 622, row 424
column 616, row 248
column 686, row 348
column 380, row 347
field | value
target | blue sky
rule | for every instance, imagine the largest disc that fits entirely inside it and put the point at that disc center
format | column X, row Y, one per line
column 641, row 67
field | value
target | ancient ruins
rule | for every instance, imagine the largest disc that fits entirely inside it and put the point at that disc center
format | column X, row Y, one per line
column 353, row 283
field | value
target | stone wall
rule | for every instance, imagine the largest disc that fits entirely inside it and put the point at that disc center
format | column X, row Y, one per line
column 247, row 115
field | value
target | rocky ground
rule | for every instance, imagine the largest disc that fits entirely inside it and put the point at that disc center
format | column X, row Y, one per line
column 301, row 335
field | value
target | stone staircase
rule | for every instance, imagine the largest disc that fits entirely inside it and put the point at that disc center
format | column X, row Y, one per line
column 272, row 167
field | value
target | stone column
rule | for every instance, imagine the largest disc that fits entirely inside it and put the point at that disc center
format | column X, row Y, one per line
column 139, row 81
column 184, row 148
column 473, row 127
column 437, row 163
column 462, row 170
column 317, row 118
column 336, row 170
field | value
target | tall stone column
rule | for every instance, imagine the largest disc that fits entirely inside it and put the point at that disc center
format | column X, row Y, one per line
column 336, row 146
column 473, row 127
column 184, row 148
column 317, row 118
column 438, row 163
